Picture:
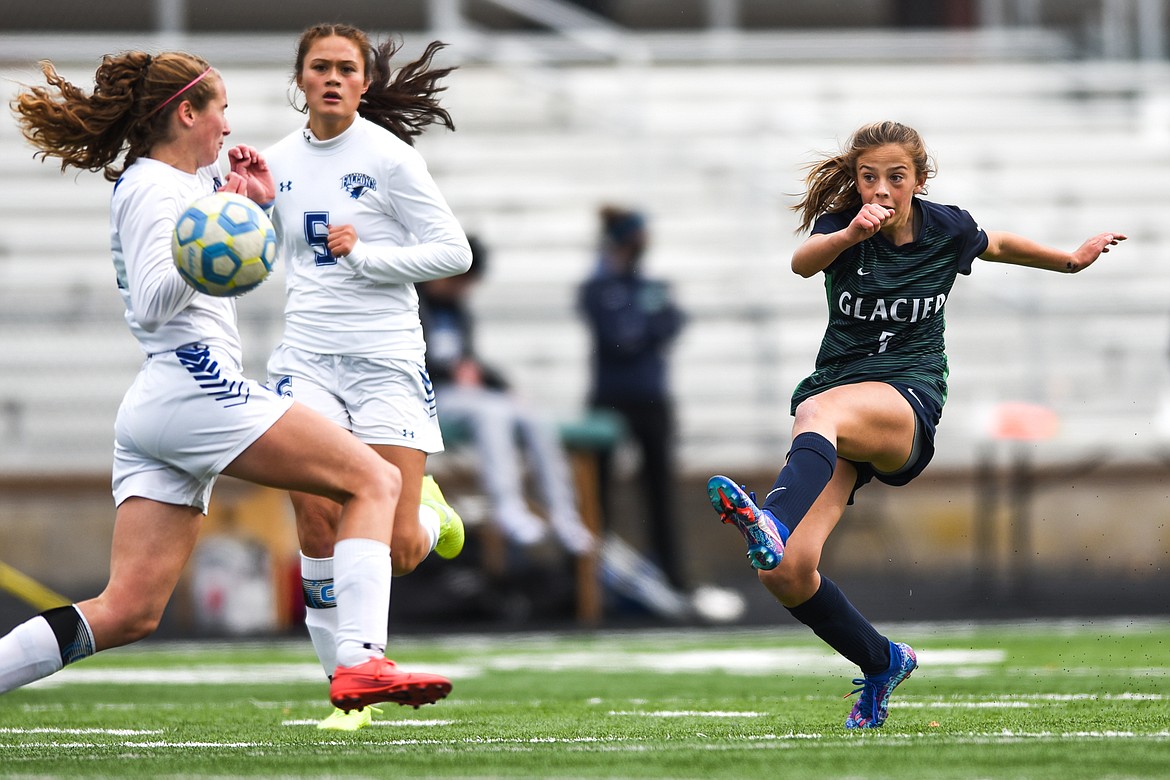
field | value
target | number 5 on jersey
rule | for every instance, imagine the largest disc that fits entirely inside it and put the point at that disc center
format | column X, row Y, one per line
column 317, row 236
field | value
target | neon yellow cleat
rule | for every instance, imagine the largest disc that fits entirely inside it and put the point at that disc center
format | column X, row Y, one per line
column 340, row 720
column 451, row 533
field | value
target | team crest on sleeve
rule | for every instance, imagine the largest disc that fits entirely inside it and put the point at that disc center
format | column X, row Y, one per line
column 356, row 184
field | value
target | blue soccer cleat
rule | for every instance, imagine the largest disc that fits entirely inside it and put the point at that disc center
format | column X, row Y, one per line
column 870, row 710
column 758, row 526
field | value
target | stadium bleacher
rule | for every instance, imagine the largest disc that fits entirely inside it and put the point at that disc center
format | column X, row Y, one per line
column 712, row 152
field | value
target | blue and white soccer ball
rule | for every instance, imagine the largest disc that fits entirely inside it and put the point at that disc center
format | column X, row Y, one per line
column 224, row 245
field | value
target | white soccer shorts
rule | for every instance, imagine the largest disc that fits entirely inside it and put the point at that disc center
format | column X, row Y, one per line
column 186, row 417
column 381, row 401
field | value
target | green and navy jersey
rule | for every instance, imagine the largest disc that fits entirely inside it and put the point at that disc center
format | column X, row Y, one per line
column 887, row 303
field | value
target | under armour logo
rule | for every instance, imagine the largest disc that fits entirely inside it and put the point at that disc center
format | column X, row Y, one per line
column 286, row 186
column 407, row 434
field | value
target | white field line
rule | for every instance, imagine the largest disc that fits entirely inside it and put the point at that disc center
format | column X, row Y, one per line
column 552, row 641
column 79, row 732
column 379, row 723
column 219, row 674
column 765, row 663
column 689, row 714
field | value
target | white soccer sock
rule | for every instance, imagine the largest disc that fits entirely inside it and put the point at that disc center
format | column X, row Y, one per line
column 28, row 653
column 362, row 575
column 429, row 519
column 320, row 609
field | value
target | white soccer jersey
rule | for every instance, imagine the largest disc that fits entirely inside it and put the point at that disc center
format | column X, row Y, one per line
column 363, row 304
column 162, row 310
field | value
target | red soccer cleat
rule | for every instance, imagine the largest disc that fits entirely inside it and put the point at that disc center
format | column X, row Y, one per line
column 378, row 680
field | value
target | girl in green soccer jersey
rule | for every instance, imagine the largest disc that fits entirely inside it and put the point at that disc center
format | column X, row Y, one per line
column 870, row 408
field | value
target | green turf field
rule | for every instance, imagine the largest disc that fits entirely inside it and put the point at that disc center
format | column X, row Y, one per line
column 1083, row 699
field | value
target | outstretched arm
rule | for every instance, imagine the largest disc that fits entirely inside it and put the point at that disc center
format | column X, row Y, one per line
column 1017, row 250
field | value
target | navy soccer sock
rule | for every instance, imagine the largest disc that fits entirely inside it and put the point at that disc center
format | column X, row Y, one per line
column 836, row 621
column 810, row 466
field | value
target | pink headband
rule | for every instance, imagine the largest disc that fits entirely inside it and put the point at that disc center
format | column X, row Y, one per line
column 190, row 84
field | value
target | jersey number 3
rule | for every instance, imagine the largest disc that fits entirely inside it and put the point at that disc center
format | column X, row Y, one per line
column 317, row 236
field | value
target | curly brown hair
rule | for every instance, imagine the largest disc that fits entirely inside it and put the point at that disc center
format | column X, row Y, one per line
column 831, row 183
column 404, row 102
column 127, row 112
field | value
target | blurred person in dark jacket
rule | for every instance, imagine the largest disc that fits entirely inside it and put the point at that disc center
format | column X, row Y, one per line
column 634, row 321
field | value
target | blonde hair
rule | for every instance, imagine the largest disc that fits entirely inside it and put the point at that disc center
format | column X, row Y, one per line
column 831, row 183
column 127, row 112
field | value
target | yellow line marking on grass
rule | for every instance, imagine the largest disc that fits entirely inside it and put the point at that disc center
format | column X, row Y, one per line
column 29, row 590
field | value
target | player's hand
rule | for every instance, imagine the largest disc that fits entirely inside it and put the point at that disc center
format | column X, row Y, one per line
column 1088, row 252
column 869, row 220
column 235, row 184
column 342, row 239
column 247, row 163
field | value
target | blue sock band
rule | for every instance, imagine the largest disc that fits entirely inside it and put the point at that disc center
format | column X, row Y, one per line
column 810, row 466
column 319, row 594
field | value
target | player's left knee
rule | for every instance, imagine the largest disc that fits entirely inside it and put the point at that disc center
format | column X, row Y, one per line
column 407, row 553
column 788, row 581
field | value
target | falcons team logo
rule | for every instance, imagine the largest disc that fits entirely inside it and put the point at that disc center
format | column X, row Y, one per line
column 358, row 183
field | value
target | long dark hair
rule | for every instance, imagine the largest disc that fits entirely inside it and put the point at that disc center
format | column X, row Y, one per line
column 404, row 102
column 128, row 111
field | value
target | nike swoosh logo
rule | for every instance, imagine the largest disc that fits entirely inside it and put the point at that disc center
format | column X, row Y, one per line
column 910, row 390
column 862, row 272
column 777, row 490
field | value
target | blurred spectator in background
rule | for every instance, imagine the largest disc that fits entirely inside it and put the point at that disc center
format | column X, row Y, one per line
column 473, row 395
column 633, row 322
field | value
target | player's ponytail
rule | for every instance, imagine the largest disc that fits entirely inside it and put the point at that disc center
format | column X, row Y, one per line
column 124, row 113
column 405, row 102
column 829, row 187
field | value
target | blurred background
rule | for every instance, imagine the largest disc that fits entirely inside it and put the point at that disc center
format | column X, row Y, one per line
column 1050, row 118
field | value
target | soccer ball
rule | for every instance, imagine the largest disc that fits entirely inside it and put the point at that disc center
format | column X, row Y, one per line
column 224, row 245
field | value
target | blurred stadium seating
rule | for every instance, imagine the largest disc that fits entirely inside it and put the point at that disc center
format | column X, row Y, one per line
column 712, row 151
